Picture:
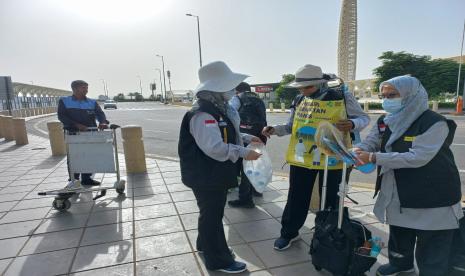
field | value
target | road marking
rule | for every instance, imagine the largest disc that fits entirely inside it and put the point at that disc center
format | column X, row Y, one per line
column 458, row 144
column 157, row 131
column 36, row 126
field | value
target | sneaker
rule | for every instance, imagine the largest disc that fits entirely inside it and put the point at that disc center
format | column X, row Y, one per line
column 391, row 270
column 241, row 204
column 283, row 243
column 91, row 182
column 256, row 194
column 235, row 267
column 74, row 185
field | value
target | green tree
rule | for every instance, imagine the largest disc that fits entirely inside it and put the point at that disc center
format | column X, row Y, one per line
column 119, row 97
column 139, row 97
column 284, row 94
column 436, row 75
column 131, row 95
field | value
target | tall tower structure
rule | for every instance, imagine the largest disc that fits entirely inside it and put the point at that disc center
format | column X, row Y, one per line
column 347, row 42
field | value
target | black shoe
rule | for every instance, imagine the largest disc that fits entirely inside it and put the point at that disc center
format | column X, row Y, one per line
column 90, row 182
column 235, row 267
column 281, row 243
column 256, row 194
column 241, row 204
column 391, row 270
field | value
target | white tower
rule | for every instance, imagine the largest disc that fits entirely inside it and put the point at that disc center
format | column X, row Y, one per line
column 347, row 44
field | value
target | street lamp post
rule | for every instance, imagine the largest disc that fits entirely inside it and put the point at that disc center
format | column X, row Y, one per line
column 140, row 85
column 163, row 67
column 198, row 33
column 161, row 88
column 105, row 90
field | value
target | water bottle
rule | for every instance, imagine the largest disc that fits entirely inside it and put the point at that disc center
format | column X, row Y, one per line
column 376, row 245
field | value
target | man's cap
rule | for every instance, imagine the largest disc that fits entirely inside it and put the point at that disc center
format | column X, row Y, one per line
column 78, row 83
column 243, row 87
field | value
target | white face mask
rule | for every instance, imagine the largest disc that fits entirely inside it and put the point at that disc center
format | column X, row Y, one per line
column 229, row 94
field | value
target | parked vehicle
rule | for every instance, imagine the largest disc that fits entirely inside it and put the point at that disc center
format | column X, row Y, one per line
column 109, row 104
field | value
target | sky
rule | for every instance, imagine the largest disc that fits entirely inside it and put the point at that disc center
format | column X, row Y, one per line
column 52, row 42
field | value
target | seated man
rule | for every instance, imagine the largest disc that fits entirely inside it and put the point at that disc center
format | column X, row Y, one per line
column 78, row 113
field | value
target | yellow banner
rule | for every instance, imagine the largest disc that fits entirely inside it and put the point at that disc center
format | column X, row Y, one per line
column 302, row 150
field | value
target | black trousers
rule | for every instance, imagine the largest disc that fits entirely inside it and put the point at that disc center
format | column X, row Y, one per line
column 301, row 181
column 432, row 249
column 246, row 188
column 211, row 239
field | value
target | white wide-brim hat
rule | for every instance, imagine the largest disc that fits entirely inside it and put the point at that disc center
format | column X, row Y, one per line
column 308, row 75
column 217, row 77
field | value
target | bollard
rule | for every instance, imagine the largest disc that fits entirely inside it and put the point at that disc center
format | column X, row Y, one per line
column 366, row 106
column 57, row 138
column 19, row 126
column 271, row 107
column 283, row 107
column 459, row 106
column 8, row 131
column 134, row 152
column 1, row 126
column 435, row 106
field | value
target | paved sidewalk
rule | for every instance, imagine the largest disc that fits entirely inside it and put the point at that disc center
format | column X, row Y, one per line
column 151, row 231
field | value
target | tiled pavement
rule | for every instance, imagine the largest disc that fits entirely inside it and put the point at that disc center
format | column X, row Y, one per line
column 150, row 231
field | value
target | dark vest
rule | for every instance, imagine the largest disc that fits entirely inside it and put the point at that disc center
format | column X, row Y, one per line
column 436, row 184
column 198, row 171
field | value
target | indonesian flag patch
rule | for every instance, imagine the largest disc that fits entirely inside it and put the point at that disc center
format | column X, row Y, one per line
column 210, row 123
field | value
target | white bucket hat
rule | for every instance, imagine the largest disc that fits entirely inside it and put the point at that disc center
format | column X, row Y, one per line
column 217, row 77
column 308, row 75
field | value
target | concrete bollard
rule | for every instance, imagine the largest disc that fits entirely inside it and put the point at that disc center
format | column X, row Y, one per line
column 19, row 126
column 57, row 138
column 134, row 152
column 1, row 126
column 435, row 106
column 283, row 107
column 366, row 106
column 271, row 107
column 8, row 131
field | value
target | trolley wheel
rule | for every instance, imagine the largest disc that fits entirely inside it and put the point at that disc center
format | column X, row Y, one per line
column 61, row 204
column 120, row 187
column 317, row 268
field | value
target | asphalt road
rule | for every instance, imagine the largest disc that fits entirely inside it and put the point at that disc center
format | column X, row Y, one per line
column 161, row 125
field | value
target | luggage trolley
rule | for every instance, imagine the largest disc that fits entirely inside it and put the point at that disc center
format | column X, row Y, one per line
column 93, row 151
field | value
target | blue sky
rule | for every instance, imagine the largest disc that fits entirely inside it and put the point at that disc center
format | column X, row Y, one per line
column 52, row 42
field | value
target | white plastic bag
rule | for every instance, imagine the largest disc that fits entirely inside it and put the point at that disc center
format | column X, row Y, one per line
column 260, row 171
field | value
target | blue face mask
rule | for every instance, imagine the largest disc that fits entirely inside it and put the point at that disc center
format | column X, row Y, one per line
column 392, row 105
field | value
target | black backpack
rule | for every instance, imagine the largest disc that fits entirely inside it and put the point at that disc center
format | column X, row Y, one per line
column 252, row 113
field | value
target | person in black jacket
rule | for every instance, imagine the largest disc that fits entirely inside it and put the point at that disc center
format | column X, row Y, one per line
column 78, row 113
column 209, row 146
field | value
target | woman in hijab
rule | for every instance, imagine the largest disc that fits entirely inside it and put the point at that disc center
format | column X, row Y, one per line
column 209, row 146
column 418, row 181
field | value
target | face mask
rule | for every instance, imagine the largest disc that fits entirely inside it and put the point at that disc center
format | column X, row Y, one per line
column 392, row 105
column 229, row 94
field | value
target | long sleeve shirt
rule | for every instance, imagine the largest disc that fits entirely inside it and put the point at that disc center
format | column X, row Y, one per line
column 387, row 207
column 354, row 112
column 208, row 137
column 72, row 111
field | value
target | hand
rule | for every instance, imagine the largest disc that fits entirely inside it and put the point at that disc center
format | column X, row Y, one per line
column 345, row 125
column 268, row 131
column 252, row 155
column 102, row 126
column 357, row 150
column 81, row 127
column 256, row 140
column 364, row 156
